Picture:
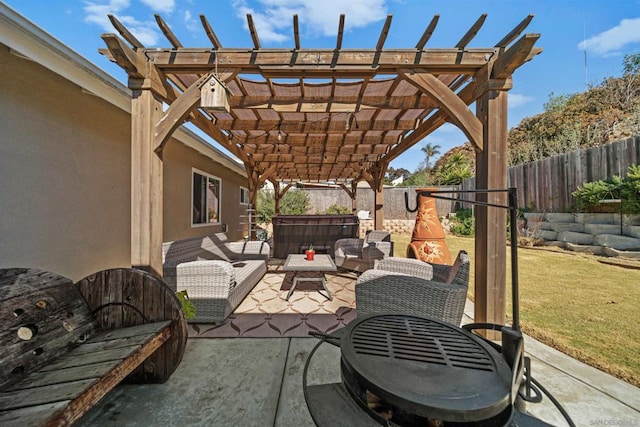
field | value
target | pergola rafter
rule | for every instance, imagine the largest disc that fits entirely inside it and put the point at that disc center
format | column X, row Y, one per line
column 320, row 115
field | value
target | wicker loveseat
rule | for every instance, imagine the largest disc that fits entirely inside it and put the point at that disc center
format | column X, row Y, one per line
column 217, row 274
column 411, row 286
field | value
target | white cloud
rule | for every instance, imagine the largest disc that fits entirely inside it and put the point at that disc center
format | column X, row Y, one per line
column 97, row 13
column 145, row 31
column 517, row 100
column 274, row 20
column 610, row 42
column 191, row 23
column 164, row 6
column 268, row 23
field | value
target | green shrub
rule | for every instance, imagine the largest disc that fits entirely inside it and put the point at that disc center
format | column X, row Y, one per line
column 588, row 196
column 463, row 223
column 338, row 210
column 186, row 304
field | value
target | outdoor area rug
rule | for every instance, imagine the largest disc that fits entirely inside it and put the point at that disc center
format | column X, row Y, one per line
column 265, row 312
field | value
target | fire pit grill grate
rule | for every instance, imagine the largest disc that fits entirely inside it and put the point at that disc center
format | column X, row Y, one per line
column 418, row 340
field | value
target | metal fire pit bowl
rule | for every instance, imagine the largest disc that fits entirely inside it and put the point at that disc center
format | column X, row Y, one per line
column 422, row 367
column 425, row 367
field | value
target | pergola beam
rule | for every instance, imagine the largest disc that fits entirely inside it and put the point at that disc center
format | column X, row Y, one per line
column 253, row 32
column 454, row 107
column 329, row 125
column 473, row 31
column 384, row 33
column 517, row 54
column 126, row 34
column 428, row 32
column 124, row 56
column 390, row 61
column 210, row 33
column 171, row 37
column 178, row 111
column 513, row 34
column 296, row 32
column 340, row 32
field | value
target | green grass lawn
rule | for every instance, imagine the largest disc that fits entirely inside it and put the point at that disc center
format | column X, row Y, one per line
column 572, row 302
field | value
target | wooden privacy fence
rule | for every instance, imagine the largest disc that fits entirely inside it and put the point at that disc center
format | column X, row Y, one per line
column 546, row 185
column 394, row 207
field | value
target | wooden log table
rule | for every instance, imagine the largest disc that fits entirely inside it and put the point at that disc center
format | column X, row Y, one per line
column 298, row 263
column 63, row 346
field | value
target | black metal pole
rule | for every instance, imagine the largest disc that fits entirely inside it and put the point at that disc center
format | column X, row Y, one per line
column 515, row 298
column 512, row 206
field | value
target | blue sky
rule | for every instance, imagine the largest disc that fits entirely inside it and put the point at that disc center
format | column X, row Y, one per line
column 584, row 41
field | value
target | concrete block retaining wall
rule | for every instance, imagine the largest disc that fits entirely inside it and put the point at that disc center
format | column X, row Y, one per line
column 393, row 226
column 593, row 232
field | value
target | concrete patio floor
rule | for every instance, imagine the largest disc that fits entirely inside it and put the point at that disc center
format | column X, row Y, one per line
column 258, row 382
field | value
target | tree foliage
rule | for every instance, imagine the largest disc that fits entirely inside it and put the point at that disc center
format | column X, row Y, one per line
column 604, row 113
column 417, row 179
column 294, row 202
column 455, row 165
column 430, row 151
column 393, row 173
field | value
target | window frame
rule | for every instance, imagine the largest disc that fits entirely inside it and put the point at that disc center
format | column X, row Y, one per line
column 208, row 177
column 244, row 190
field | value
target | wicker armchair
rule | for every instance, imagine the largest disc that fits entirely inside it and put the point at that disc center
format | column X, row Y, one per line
column 410, row 286
column 361, row 254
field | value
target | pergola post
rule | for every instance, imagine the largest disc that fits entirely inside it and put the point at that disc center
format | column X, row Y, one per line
column 352, row 192
column 491, row 229
column 354, row 196
column 253, row 184
column 146, row 183
column 375, row 178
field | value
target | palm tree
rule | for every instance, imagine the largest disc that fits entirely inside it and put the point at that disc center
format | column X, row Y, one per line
column 430, row 150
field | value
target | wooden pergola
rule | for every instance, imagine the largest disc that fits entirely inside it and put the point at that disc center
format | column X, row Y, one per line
column 323, row 115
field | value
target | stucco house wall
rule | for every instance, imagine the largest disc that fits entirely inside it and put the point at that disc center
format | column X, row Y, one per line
column 65, row 162
column 179, row 162
column 64, row 169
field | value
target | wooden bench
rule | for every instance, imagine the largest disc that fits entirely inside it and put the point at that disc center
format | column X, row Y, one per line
column 63, row 346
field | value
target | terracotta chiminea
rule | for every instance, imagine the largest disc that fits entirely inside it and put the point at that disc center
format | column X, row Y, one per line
column 427, row 242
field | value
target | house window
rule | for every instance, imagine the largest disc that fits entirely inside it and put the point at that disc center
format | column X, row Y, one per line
column 244, row 196
column 206, row 199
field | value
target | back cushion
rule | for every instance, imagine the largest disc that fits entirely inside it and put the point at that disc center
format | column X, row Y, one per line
column 214, row 248
column 182, row 250
column 220, row 238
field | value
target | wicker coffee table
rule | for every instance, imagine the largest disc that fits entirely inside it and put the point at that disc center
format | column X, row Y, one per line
column 298, row 264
